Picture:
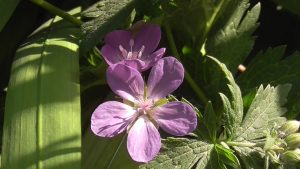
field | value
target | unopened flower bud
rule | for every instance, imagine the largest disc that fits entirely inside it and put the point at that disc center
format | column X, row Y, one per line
column 293, row 140
column 290, row 127
column 291, row 156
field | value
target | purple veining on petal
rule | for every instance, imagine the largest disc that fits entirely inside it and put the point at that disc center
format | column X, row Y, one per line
column 165, row 77
column 176, row 118
column 142, row 118
column 123, row 45
column 111, row 118
column 143, row 142
column 125, row 82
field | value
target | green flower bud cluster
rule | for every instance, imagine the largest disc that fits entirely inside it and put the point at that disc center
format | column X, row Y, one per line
column 289, row 133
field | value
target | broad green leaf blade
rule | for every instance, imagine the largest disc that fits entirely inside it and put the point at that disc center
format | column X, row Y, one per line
column 232, row 43
column 265, row 111
column 269, row 67
column 111, row 14
column 182, row 153
column 221, row 80
column 7, row 8
column 42, row 126
column 105, row 153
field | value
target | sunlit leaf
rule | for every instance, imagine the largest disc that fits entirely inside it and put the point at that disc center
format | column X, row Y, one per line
column 271, row 67
column 108, row 15
column 42, row 126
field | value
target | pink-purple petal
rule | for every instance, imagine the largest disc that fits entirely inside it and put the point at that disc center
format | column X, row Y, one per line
column 143, row 142
column 136, row 64
column 126, row 82
column 111, row 118
column 110, row 54
column 153, row 58
column 149, row 36
column 176, row 118
column 165, row 77
column 118, row 37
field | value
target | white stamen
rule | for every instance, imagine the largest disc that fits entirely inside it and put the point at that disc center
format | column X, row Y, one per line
column 141, row 51
column 123, row 51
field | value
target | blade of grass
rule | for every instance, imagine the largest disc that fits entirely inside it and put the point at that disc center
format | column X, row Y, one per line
column 42, row 126
column 7, row 8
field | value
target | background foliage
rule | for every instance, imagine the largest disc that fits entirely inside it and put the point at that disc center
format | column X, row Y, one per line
column 57, row 79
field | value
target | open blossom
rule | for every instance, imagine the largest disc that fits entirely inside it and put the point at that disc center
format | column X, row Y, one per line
column 142, row 118
column 134, row 50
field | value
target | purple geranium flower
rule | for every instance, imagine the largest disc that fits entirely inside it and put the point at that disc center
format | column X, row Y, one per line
column 143, row 117
column 133, row 49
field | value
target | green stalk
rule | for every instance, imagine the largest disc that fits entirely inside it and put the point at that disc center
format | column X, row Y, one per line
column 54, row 10
column 187, row 76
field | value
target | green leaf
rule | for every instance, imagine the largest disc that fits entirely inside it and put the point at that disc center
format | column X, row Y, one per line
column 291, row 5
column 210, row 122
column 227, row 156
column 252, row 157
column 265, row 111
column 270, row 67
column 182, row 153
column 110, row 15
column 233, row 41
column 218, row 79
column 7, row 8
column 105, row 153
column 42, row 126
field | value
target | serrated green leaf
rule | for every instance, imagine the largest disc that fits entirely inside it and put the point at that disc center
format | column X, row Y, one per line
column 252, row 157
column 269, row 67
column 110, row 15
column 233, row 41
column 7, row 8
column 42, row 126
column 182, row 153
column 221, row 80
column 210, row 122
column 265, row 111
column 227, row 156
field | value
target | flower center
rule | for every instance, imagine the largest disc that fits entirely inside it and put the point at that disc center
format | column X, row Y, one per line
column 131, row 54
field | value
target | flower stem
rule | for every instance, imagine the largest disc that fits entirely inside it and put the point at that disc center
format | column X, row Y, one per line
column 54, row 10
column 241, row 144
column 187, row 76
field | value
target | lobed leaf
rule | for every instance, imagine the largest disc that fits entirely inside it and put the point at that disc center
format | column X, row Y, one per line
column 270, row 67
column 182, row 153
column 218, row 79
column 232, row 41
column 109, row 15
column 265, row 111
column 42, row 126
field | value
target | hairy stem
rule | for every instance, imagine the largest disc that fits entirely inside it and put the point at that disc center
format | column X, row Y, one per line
column 54, row 10
column 187, row 76
column 242, row 144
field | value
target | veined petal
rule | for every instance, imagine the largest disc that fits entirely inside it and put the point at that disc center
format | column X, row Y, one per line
column 153, row 58
column 110, row 54
column 165, row 77
column 118, row 37
column 149, row 36
column 136, row 64
column 111, row 118
column 143, row 142
column 125, row 82
column 176, row 118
